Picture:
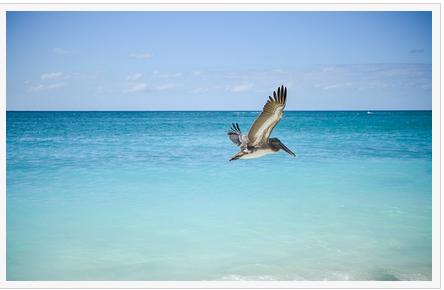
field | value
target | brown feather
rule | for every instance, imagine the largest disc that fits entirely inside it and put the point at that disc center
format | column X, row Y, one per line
column 267, row 120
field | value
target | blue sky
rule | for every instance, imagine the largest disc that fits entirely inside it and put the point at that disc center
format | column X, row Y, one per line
column 218, row 60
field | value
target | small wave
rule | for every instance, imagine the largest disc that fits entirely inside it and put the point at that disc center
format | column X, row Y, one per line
column 246, row 113
column 41, row 139
column 234, row 277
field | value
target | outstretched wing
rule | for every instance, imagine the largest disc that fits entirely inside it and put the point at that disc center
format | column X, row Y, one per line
column 235, row 134
column 267, row 120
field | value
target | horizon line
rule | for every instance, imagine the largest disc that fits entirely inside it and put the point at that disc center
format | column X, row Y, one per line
column 345, row 110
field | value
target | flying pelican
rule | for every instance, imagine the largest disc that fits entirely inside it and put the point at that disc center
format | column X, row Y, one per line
column 257, row 143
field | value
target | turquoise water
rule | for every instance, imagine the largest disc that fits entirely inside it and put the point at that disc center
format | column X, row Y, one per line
column 152, row 196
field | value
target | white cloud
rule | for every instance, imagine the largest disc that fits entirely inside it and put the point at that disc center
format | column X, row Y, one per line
column 136, row 87
column 199, row 90
column 51, row 75
column 165, row 87
column 336, row 69
column 240, row 88
column 85, row 76
column 334, row 85
column 58, row 50
column 134, row 83
column 46, row 87
column 142, row 55
column 134, row 77
column 158, row 74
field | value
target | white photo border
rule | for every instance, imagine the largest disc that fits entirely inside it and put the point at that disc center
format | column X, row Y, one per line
column 435, row 8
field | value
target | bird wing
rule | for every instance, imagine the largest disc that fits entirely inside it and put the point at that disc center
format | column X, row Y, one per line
column 267, row 120
column 235, row 134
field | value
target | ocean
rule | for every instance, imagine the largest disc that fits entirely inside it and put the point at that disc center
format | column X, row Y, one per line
column 152, row 196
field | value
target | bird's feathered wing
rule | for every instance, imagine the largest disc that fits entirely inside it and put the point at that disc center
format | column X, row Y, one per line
column 270, row 116
column 235, row 134
column 237, row 137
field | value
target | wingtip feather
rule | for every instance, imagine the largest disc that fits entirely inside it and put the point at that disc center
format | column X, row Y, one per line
column 285, row 95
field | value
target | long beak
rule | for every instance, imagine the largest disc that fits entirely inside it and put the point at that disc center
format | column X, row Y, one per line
column 286, row 149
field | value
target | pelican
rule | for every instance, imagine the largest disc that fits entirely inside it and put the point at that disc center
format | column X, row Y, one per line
column 257, row 143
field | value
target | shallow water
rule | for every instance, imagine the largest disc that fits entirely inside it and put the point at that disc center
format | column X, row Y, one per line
column 152, row 196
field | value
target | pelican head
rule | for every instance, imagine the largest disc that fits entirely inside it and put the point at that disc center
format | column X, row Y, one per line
column 276, row 145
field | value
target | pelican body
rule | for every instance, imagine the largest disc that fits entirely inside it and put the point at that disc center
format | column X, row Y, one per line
column 257, row 143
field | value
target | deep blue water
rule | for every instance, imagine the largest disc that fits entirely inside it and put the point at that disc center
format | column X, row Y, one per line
column 152, row 196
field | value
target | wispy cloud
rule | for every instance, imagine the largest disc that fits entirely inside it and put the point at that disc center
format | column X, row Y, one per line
column 45, row 87
column 240, row 88
column 83, row 75
column 359, row 80
column 134, row 77
column 164, row 87
column 371, row 77
column 52, row 75
column 134, row 83
column 417, row 50
column 58, row 50
column 199, row 90
column 158, row 74
column 329, row 86
column 141, row 55
column 136, row 87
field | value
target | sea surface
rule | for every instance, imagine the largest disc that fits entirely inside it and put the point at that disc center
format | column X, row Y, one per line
column 152, row 196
